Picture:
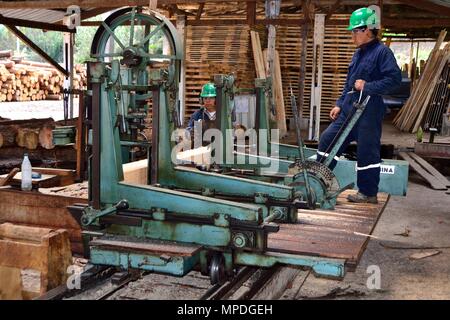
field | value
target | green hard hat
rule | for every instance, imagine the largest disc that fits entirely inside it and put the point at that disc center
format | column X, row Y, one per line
column 363, row 17
column 208, row 90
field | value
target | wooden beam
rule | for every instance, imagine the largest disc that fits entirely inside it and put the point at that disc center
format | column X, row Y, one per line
column 38, row 50
column 428, row 6
column 63, row 4
column 332, row 9
column 251, row 13
column 34, row 24
column 94, row 12
column 199, row 11
column 302, row 72
column 416, row 23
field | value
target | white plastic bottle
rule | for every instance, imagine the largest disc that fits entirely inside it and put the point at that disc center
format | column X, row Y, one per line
column 26, row 173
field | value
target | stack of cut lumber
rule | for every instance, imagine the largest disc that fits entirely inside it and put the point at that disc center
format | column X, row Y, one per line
column 412, row 115
column 338, row 50
column 22, row 80
column 216, row 49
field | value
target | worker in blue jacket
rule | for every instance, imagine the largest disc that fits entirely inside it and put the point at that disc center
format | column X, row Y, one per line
column 372, row 71
column 207, row 113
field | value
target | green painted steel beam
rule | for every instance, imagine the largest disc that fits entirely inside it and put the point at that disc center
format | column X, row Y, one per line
column 174, row 265
column 232, row 186
column 203, row 234
column 326, row 267
column 146, row 197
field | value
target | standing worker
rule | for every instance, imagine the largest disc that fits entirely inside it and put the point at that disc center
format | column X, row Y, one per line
column 372, row 71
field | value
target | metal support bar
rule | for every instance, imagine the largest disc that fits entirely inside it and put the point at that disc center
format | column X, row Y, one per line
column 38, row 50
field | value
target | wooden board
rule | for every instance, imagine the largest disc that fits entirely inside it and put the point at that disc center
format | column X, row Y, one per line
column 339, row 233
column 41, row 210
column 430, row 169
column 434, row 182
column 10, row 283
column 136, row 172
column 45, row 181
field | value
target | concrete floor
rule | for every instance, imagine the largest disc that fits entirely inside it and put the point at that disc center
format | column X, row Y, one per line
column 426, row 214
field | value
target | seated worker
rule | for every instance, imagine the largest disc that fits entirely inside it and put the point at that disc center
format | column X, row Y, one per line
column 207, row 112
column 206, row 115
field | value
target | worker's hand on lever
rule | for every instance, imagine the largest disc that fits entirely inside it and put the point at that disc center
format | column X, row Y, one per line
column 334, row 113
column 359, row 85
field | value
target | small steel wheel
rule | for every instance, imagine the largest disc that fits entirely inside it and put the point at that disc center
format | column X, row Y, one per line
column 217, row 269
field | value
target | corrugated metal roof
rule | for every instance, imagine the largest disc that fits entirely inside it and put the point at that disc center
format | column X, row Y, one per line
column 39, row 15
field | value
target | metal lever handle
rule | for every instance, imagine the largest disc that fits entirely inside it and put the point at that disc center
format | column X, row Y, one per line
column 90, row 214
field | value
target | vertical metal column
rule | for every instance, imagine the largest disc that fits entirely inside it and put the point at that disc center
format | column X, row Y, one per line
column 181, row 25
column 155, row 136
column 69, row 39
column 95, row 170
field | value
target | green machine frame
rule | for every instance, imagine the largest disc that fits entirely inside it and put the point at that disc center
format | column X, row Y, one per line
column 283, row 157
column 227, row 233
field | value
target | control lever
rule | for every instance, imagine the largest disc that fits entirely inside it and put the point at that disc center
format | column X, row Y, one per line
column 90, row 214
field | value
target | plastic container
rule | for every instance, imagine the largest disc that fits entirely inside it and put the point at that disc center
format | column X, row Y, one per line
column 26, row 173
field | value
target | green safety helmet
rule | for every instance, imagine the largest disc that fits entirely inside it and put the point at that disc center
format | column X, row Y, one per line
column 364, row 17
column 208, row 90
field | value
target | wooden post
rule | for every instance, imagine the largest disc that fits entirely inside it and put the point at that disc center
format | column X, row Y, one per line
column 272, row 12
column 152, row 4
column 251, row 13
column 302, row 75
column 316, row 81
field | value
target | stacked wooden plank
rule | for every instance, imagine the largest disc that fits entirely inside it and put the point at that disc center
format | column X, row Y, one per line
column 436, row 180
column 258, row 55
column 22, row 80
column 213, row 50
column 338, row 51
column 342, row 233
column 412, row 114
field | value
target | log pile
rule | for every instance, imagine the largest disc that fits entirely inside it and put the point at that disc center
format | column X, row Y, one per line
column 212, row 50
column 413, row 114
column 29, row 134
column 23, row 80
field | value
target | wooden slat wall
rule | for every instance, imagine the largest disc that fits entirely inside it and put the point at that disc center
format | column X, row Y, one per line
column 338, row 51
column 213, row 50
column 226, row 49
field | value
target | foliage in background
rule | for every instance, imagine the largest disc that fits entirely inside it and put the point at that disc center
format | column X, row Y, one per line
column 49, row 41
column 52, row 42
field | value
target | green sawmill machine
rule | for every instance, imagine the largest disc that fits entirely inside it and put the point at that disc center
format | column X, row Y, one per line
column 182, row 217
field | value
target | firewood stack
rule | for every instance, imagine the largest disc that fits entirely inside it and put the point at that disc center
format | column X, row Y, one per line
column 22, row 80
